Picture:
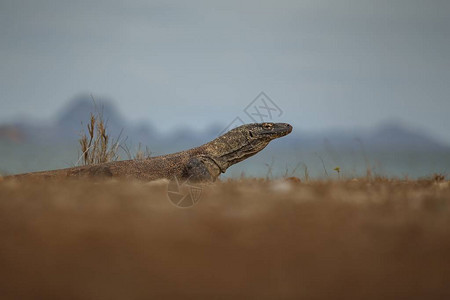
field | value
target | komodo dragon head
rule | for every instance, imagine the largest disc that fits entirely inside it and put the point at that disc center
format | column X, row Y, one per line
column 243, row 142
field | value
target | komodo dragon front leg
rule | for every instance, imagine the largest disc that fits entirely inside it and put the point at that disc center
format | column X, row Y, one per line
column 201, row 169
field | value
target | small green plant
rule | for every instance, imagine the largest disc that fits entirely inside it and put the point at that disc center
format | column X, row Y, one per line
column 338, row 170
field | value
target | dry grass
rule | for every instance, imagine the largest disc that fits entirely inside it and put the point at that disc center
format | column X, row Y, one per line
column 96, row 146
column 140, row 153
column 281, row 239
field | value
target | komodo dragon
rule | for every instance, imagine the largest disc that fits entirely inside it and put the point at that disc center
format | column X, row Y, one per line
column 203, row 163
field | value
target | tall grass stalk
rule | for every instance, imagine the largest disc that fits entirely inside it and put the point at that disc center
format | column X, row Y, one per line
column 96, row 145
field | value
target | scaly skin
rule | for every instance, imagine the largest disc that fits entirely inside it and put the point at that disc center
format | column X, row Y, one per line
column 203, row 163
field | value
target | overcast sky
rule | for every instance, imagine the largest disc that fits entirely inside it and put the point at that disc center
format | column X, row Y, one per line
column 326, row 63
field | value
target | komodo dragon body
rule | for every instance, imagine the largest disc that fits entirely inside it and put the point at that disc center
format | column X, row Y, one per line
column 203, row 163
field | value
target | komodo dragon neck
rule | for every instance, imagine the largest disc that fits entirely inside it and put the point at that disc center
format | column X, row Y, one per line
column 203, row 163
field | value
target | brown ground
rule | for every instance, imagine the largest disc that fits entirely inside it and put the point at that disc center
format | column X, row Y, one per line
column 248, row 239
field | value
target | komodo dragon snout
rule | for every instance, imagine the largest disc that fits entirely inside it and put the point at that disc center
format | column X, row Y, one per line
column 203, row 163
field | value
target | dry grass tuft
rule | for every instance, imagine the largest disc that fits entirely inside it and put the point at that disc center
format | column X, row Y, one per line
column 96, row 146
column 140, row 154
column 438, row 177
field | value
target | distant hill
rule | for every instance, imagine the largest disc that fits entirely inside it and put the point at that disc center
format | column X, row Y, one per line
column 11, row 133
column 75, row 116
column 73, row 120
column 395, row 136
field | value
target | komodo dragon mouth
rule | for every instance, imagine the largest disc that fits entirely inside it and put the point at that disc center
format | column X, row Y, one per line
column 203, row 163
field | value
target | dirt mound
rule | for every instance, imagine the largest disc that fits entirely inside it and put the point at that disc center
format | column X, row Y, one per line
column 282, row 239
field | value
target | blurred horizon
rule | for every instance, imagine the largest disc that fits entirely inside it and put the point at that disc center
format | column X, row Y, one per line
column 89, row 103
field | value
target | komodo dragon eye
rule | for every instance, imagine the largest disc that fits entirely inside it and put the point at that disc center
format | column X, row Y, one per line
column 267, row 126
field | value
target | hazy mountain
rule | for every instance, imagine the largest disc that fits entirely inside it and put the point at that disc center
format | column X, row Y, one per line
column 73, row 120
column 75, row 117
column 397, row 137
